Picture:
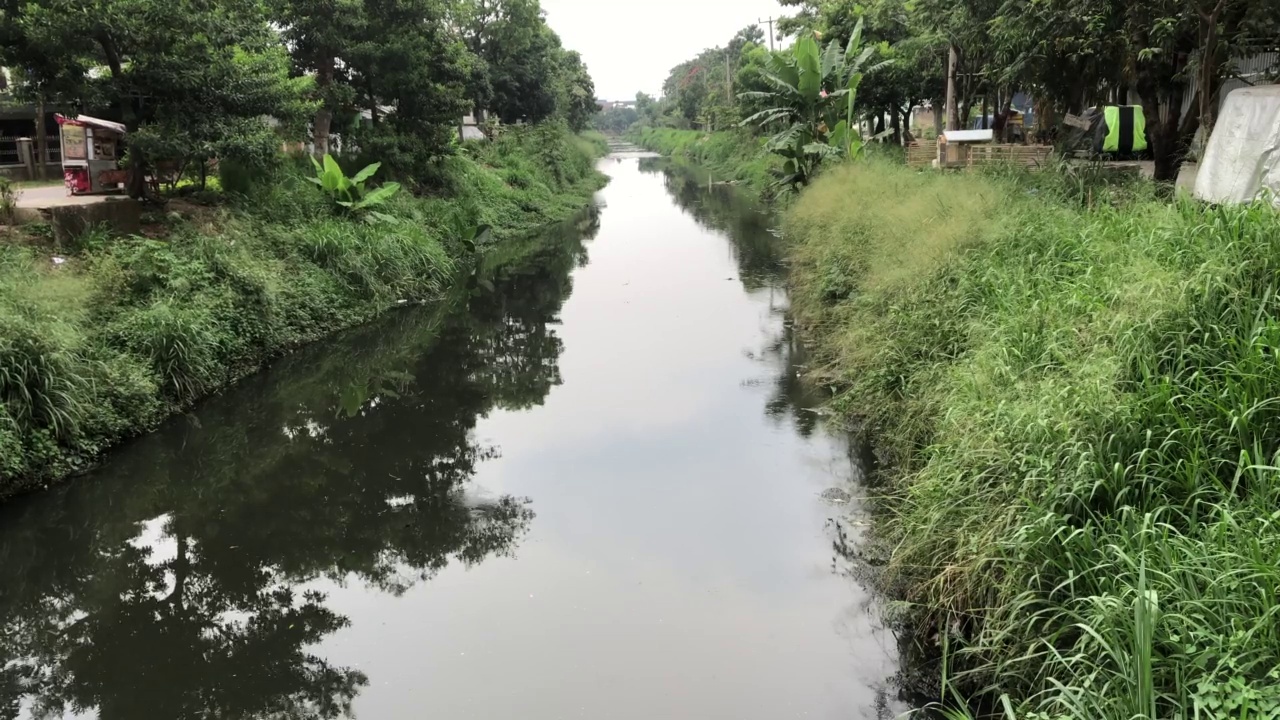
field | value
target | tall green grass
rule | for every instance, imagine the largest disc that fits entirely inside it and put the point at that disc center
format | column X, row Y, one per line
column 729, row 155
column 1075, row 392
column 105, row 345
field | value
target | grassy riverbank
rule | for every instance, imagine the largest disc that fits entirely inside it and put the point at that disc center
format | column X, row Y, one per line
column 728, row 155
column 130, row 330
column 1077, row 409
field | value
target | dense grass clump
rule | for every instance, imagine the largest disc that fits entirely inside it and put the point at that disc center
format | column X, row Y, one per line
column 728, row 155
column 104, row 346
column 1076, row 396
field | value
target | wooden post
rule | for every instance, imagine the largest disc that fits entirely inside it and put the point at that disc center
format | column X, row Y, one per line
column 728, row 78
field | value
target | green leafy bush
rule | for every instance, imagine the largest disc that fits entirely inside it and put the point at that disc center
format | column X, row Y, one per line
column 40, row 379
column 181, row 342
column 350, row 192
column 8, row 200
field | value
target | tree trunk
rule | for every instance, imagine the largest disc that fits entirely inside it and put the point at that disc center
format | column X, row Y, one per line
column 42, row 140
column 986, row 122
column 1210, row 80
column 896, row 124
column 1169, row 139
column 953, row 113
column 323, row 122
column 136, row 177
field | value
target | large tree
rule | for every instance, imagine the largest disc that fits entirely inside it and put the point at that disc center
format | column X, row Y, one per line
column 397, row 62
column 1081, row 52
column 191, row 80
column 411, row 74
column 522, row 56
column 320, row 34
column 575, row 92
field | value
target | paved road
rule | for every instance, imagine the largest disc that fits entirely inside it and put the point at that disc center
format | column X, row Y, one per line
column 53, row 196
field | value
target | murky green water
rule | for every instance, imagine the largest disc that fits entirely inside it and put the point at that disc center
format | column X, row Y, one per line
column 588, row 488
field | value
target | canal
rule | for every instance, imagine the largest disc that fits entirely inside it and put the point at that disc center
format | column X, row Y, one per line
column 589, row 485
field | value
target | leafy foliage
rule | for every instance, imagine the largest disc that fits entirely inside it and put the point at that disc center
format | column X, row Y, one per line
column 102, row 347
column 812, row 100
column 350, row 192
column 191, row 80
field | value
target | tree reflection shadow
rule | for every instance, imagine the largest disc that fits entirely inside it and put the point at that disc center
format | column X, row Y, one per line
column 758, row 252
column 748, row 225
column 175, row 583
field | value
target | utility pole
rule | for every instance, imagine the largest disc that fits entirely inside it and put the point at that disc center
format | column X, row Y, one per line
column 770, row 21
column 728, row 77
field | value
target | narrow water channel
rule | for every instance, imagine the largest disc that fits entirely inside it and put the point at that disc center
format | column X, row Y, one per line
column 588, row 486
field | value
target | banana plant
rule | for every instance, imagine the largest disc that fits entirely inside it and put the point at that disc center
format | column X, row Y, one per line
column 814, row 98
column 350, row 192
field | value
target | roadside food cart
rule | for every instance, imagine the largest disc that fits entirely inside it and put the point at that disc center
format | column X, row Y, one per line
column 91, row 150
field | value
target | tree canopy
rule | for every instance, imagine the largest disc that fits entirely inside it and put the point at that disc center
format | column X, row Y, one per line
column 1170, row 56
column 230, row 80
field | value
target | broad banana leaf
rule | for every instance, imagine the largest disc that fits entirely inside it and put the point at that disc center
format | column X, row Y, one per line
column 787, row 139
column 855, row 40
column 784, row 88
column 822, row 151
column 333, row 180
column 806, row 54
column 840, row 136
column 366, row 173
column 832, row 60
column 765, row 117
column 783, row 69
column 378, row 196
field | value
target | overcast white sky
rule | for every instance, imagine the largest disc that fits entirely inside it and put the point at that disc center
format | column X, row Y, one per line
column 630, row 46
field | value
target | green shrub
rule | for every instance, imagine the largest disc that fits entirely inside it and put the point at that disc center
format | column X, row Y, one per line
column 12, row 457
column 732, row 155
column 8, row 200
column 41, row 380
column 181, row 342
column 239, row 178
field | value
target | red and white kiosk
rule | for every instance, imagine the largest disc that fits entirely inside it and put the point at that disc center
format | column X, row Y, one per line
column 91, row 150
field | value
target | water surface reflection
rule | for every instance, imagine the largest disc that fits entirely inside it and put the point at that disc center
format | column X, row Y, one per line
column 354, row 531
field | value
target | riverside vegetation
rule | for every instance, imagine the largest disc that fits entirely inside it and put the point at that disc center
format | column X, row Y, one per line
column 1074, row 389
column 1071, row 379
column 131, row 329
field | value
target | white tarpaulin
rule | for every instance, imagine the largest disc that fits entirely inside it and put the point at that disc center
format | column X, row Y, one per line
column 1242, row 159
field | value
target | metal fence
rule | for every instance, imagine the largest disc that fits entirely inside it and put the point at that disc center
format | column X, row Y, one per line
column 1257, row 69
column 9, row 149
column 54, row 143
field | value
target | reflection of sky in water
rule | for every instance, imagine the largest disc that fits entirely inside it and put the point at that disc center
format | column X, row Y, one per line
column 680, row 564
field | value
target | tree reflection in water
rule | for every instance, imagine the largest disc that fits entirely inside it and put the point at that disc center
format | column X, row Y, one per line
column 172, row 584
column 758, row 251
